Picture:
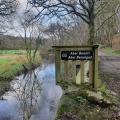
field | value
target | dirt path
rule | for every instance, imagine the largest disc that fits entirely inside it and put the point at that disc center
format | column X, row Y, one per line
column 110, row 71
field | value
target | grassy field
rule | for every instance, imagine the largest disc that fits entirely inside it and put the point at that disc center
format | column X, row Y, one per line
column 111, row 52
column 17, row 52
column 11, row 64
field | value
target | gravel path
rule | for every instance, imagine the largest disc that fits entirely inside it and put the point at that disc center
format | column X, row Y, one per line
column 110, row 71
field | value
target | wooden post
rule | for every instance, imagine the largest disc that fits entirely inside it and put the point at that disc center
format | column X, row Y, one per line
column 74, row 71
column 82, row 71
column 93, row 65
column 62, row 68
column 91, row 72
column 78, row 73
column 66, row 70
column 95, row 68
column 57, row 64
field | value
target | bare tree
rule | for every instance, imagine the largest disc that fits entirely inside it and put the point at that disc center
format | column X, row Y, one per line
column 7, row 7
column 107, row 28
column 31, row 34
column 87, row 10
column 69, row 32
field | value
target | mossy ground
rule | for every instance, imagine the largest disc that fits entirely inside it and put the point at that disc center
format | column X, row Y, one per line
column 109, row 51
column 75, row 105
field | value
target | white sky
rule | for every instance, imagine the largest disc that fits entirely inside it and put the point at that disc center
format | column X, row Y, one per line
column 19, row 16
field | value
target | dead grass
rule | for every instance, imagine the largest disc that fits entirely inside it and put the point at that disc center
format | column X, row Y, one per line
column 13, row 64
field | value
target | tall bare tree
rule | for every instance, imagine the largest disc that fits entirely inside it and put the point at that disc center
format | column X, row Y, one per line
column 72, row 32
column 87, row 10
column 7, row 7
column 107, row 29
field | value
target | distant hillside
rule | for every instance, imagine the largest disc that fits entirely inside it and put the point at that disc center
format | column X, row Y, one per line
column 11, row 42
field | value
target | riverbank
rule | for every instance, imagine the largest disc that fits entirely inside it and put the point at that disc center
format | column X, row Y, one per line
column 13, row 63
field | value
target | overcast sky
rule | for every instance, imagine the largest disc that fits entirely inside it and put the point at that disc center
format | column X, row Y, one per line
column 15, row 18
column 18, row 17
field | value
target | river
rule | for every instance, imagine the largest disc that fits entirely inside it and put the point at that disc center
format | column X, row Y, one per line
column 34, row 96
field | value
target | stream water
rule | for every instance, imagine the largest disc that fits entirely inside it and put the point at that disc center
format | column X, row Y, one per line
column 34, row 96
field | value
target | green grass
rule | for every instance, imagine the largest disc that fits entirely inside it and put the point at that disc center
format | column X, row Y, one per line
column 12, row 52
column 117, row 52
column 9, row 72
column 11, row 64
column 4, row 61
column 111, row 52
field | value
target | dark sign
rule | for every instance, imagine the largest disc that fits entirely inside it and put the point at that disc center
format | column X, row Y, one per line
column 77, row 55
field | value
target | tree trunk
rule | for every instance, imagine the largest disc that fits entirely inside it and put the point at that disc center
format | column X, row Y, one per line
column 91, row 39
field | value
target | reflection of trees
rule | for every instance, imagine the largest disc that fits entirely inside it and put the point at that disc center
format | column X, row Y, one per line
column 36, row 95
column 27, row 93
column 29, row 89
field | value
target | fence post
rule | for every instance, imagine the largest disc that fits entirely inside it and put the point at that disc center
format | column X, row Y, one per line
column 95, row 67
column 57, row 64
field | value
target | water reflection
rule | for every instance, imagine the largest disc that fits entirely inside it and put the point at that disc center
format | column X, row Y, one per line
column 33, row 97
